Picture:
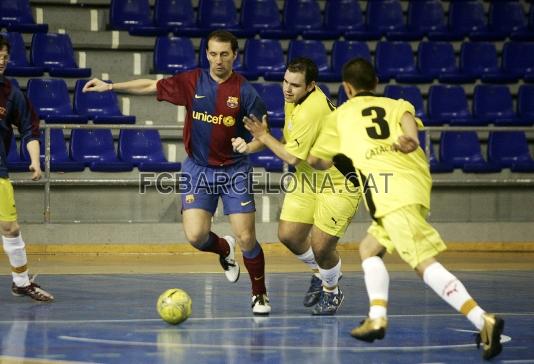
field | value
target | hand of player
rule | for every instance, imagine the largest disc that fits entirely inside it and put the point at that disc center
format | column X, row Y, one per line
column 405, row 144
column 36, row 169
column 239, row 145
column 96, row 85
column 256, row 127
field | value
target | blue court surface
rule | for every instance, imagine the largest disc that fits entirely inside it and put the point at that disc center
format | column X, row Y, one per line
column 112, row 319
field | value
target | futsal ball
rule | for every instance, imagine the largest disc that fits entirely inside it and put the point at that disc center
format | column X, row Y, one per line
column 174, row 306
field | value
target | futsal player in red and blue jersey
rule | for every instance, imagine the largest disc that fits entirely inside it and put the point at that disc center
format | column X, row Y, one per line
column 216, row 101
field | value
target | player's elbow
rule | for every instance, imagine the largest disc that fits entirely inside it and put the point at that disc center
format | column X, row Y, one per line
column 292, row 160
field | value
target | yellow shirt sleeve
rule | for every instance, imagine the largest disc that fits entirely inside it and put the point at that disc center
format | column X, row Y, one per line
column 405, row 106
column 301, row 135
column 327, row 144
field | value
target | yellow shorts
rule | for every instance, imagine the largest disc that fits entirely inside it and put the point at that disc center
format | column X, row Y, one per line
column 407, row 231
column 330, row 212
column 8, row 212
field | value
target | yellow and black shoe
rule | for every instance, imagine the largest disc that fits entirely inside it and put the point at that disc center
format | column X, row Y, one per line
column 371, row 329
column 490, row 336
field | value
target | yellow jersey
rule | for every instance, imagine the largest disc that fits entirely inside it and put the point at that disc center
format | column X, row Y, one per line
column 364, row 129
column 301, row 128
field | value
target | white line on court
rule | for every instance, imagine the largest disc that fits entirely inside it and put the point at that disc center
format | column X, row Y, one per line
column 269, row 328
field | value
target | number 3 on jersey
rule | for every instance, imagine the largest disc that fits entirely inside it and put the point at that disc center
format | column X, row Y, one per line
column 382, row 132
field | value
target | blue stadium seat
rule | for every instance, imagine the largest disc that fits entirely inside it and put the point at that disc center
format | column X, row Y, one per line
column 173, row 54
column 304, row 17
column 435, row 165
column 51, row 100
column 135, row 17
column 54, row 53
column 494, row 104
column 16, row 16
column 96, row 150
column 177, row 16
column 448, row 105
column 203, row 59
column 263, row 16
column 266, row 158
column 510, row 150
column 467, row 18
column 525, row 104
column 395, row 60
column 325, row 90
column 518, row 59
column 262, row 56
column 18, row 64
column 411, row 94
column 144, row 150
column 315, row 50
column 462, row 150
column 221, row 14
column 427, row 17
column 342, row 51
column 507, row 17
column 341, row 96
column 59, row 158
column 344, row 17
column 386, row 18
column 273, row 96
column 14, row 162
column 437, row 60
column 101, row 107
column 479, row 59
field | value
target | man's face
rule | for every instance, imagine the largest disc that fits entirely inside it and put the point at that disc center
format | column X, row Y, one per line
column 4, row 56
column 221, row 58
column 294, row 86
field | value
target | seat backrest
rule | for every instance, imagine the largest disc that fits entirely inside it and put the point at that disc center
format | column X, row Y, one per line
column 408, row 93
column 467, row 16
column 507, row 16
column 140, row 146
column 426, row 16
column 174, row 54
column 508, row 147
column 341, row 96
column 343, row 15
column 217, row 14
column 263, row 55
column 477, row 58
column 16, row 11
column 394, row 57
column 124, row 14
column 92, row 145
column 458, row 148
column 518, row 57
column 343, row 51
column 313, row 49
column 447, row 102
column 493, row 101
column 434, row 58
column 174, row 13
column 94, row 103
column 273, row 97
column 385, row 16
column 17, row 52
column 49, row 96
column 52, row 50
column 203, row 59
column 302, row 15
column 260, row 14
column 525, row 100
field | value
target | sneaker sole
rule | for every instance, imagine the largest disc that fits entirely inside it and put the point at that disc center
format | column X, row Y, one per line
column 375, row 335
column 495, row 338
column 261, row 313
column 238, row 274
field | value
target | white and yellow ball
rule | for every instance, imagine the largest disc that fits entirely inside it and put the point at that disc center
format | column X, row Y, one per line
column 174, row 306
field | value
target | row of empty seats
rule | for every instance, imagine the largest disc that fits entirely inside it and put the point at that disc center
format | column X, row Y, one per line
column 341, row 18
column 95, row 149
column 16, row 16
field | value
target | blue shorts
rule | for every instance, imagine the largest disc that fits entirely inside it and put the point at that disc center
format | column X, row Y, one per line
column 207, row 184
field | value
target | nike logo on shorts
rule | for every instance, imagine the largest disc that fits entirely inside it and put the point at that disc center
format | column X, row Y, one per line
column 199, row 97
column 246, row 203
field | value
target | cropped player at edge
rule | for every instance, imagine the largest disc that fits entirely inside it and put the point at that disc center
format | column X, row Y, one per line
column 379, row 135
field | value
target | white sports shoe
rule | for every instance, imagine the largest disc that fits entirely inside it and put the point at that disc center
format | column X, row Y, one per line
column 260, row 304
column 230, row 266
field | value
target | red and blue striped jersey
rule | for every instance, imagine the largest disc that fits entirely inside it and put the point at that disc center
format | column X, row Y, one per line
column 214, row 113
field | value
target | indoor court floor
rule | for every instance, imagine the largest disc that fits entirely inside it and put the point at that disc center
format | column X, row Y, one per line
column 105, row 313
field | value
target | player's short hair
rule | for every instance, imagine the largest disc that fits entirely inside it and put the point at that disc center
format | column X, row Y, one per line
column 306, row 66
column 224, row 37
column 4, row 43
column 360, row 74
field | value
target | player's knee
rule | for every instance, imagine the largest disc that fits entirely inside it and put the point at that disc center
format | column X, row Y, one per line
column 322, row 253
column 196, row 237
column 285, row 237
column 246, row 239
column 10, row 230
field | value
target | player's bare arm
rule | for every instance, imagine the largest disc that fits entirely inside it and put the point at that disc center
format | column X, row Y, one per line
column 35, row 166
column 240, row 145
column 138, row 87
column 408, row 142
column 260, row 131
column 318, row 163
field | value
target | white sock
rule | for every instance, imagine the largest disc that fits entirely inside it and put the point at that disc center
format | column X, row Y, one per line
column 16, row 252
column 452, row 291
column 330, row 277
column 377, row 284
column 309, row 259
